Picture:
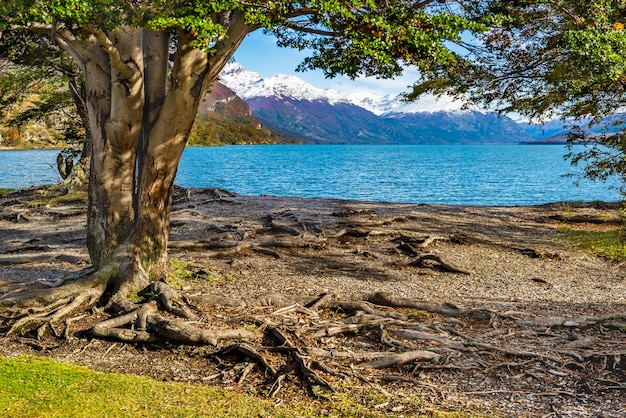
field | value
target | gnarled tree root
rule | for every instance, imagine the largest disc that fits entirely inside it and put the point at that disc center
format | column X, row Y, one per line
column 145, row 324
column 321, row 338
column 53, row 313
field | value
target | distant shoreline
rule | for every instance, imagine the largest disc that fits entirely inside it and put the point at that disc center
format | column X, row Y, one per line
column 4, row 148
column 538, row 142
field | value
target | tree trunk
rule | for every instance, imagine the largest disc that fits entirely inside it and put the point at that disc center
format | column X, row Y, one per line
column 140, row 120
column 114, row 103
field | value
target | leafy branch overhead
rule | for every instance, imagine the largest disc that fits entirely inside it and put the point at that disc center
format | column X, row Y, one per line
column 345, row 37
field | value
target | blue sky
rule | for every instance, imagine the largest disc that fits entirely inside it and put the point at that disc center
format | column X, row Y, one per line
column 260, row 54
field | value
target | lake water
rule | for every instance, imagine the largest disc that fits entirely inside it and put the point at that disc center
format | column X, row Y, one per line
column 452, row 174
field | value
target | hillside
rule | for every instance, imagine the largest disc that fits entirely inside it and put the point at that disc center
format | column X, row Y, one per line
column 224, row 118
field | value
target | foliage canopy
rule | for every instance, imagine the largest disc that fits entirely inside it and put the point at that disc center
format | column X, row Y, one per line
column 351, row 37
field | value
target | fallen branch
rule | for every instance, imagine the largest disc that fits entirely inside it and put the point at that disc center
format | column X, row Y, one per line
column 401, row 358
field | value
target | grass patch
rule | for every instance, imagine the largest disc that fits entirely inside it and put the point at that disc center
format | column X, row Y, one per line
column 417, row 314
column 182, row 272
column 610, row 244
column 5, row 191
column 376, row 401
column 77, row 197
column 44, row 388
column 36, row 387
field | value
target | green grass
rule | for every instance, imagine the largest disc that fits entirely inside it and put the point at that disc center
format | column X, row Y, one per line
column 36, row 387
column 182, row 273
column 45, row 388
column 76, row 197
column 5, row 191
column 610, row 244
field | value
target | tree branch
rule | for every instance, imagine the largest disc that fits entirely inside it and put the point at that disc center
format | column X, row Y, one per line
column 116, row 62
column 68, row 42
column 304, row 29
column 236, row 31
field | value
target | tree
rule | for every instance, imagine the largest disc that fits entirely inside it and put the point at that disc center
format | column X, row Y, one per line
column 33, row 66
column 550, row 59
column 22, row 90
column 145, row 68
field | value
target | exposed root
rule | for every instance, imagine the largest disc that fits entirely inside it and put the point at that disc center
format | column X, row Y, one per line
column 249, row 352
column 169, row 299
column 37, row 294
column 113, row 328
column 321, row 339
column 137, row 323
column 300, row 359
column 53, row 313
column 447, row 309
column 189, row 334
column 401, row 358
column 310, row 341
column 422, row 260
column 145, row 324
column 611, row 320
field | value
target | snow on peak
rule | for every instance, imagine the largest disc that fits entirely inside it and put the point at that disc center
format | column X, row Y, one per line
column 395, row 104
column 248, row 84
column 375, row 104
column 234, row 75
column 428, row 103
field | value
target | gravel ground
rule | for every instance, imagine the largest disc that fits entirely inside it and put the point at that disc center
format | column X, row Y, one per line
column 516, row 265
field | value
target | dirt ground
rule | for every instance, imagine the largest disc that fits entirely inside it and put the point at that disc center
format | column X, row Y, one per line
column 551, row 342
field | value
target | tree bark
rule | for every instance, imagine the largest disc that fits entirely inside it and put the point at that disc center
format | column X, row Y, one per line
column 140, row 115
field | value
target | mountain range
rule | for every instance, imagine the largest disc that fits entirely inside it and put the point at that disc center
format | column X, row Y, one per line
column 300, row 112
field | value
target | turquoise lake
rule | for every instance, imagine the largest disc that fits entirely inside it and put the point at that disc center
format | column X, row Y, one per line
column 450, row 174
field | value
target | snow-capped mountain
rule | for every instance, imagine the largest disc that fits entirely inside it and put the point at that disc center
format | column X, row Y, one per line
column 298, row 110
column 395, row 104
column 248, row 84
